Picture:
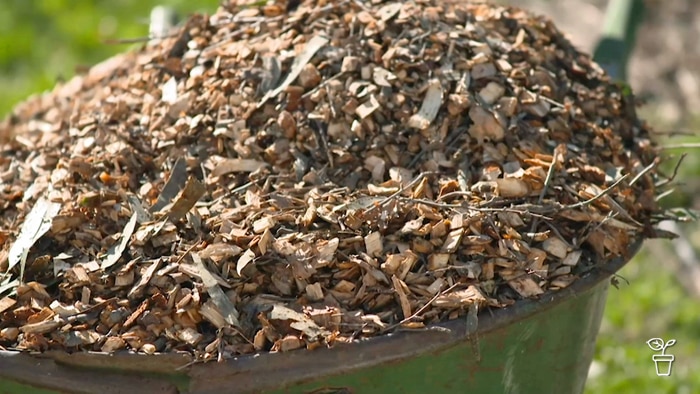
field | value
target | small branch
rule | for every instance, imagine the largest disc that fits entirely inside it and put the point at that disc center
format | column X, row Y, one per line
column 687, row 145
column 398, row 192
column 525, row 209
column 597, row 196
column 454, row 194
column 675, row 172
column 641, row 173
column 419, row 311
column 547, row 181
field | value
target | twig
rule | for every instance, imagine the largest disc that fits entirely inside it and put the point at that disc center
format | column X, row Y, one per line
column 454, row 194
column 641, row 173
column 586, row 234
column 687, row 145
column 547, row 181
column 419, row 311
column 398, row 192
column 675, row 172
column 430, row 203
column 179, row 259
column 597, row 196
column 664, row 194
column 525, row 209
column 558, row 234
column 322, row 84
column 549, row 100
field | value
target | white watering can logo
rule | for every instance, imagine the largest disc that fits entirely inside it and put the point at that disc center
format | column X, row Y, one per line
column 662, row 361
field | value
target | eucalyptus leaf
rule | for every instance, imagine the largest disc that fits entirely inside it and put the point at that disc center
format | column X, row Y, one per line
column 35, row 225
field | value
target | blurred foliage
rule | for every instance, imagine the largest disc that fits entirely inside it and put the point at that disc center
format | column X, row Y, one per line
column 649, row 303
column 43, row 41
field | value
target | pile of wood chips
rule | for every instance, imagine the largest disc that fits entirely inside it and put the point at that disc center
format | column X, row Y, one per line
column 287, row 176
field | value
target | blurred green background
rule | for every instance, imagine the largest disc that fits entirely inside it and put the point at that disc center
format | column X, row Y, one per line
column 45, row 41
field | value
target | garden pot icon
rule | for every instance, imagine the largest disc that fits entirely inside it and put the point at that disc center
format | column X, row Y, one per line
column 663, row 361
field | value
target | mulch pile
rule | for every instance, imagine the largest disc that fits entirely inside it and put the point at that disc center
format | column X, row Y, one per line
column 298, row 175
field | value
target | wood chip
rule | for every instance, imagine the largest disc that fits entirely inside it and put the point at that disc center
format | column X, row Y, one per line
column 430, row 106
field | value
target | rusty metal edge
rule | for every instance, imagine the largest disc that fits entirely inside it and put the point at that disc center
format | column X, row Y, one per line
column 252, row 373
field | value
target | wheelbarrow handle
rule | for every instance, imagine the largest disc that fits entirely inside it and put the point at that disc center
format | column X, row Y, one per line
column 622, row 20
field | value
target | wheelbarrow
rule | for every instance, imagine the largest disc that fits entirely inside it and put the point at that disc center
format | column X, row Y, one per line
column 543, row 346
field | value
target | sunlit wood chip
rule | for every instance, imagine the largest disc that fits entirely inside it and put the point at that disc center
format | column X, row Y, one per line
column 259, row 340
column 555, row 246
column 113, row 344
column 328, row 317
column 344, row 286
column 9, row 333
column 525, row 286
column 402, row 292
column 411, row 226
column 438, row 261
column 86, row 337
column 148, row 348
column 485, row 125
column 227, row 166
column 373, row 244
column 572, row 258
column 63, row 310
column 483, row 70
column 460, row 298
column 265, row 241
column 512, row 187
column 7, row 303
column 430, row 107
column 314, row 292
column 41, row 327
column 563, row 281
column 309, row 76
column 365, row 109
column 326, row 251
column 436, row 286
column 211, row 313
column 350, row 64
column 265, row 223
column 536, row 258
column 186, row 199
column 246, row 258
column 491, row 92
column 125, row 278
column 392, row 263
column 190, row 336
column 452, row 241
column 290, row 342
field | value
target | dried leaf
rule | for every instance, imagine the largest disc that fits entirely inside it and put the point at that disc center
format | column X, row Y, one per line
column 175, row 183
column 36, row 224
column 115, row 252
column 298, row 321
column 310, row 49
column 222, row 302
